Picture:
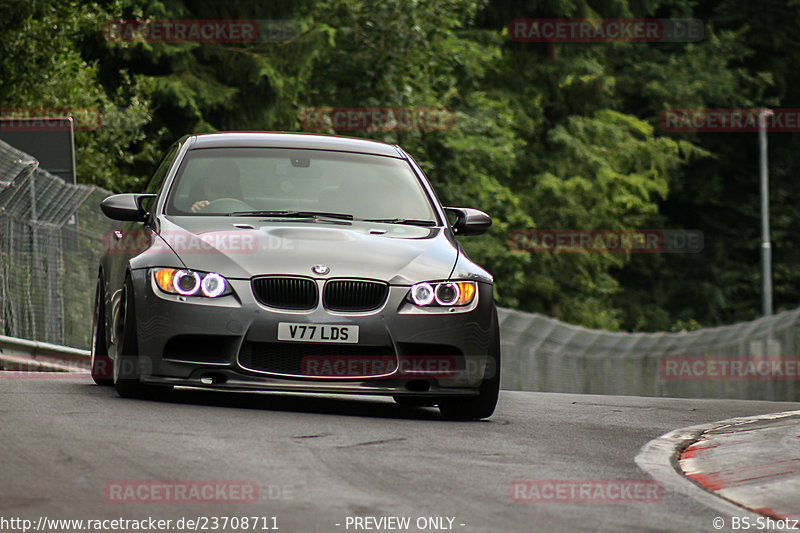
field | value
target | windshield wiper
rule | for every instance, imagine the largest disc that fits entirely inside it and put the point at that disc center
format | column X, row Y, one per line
column 291, row 214
column 407, row 221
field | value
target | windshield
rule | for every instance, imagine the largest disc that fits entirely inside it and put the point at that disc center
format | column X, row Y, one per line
column 274, row 182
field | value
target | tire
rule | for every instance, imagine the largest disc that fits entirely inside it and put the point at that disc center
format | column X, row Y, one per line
column 101, row 370
column 127, row 369
column 483, row 405
column 414, row 401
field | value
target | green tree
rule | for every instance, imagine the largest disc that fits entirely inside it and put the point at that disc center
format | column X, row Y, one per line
column 42, row 68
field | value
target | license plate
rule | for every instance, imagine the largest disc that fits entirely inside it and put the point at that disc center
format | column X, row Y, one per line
column 289, row 331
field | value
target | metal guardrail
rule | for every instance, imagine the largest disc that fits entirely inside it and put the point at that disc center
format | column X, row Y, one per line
column 26, row 355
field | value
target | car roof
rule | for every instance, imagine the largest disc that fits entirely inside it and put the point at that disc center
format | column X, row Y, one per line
column 236, row 139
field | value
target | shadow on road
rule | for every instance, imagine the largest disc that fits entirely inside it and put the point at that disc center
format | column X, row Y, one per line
column 375, row 407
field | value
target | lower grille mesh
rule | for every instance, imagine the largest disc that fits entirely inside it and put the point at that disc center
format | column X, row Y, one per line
column 317, row 360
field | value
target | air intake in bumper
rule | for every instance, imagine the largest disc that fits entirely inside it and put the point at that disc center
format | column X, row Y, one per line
column 318, row 360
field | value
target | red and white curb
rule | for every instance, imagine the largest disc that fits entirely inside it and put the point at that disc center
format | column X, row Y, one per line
column 732, row 466
column 753, row 462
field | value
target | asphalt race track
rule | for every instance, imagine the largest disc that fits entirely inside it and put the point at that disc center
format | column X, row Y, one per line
column 318, row 463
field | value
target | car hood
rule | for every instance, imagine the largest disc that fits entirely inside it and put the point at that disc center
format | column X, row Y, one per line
column 246, row 247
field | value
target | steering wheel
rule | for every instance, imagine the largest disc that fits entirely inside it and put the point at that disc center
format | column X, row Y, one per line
column 225, row 205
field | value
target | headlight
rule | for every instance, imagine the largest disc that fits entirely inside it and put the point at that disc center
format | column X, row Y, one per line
column 185, row 282
column 422, row 293
column 213, row 285
column 443, row 294
column 191, row 282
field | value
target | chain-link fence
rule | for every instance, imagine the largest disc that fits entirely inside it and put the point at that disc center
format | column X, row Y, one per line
column 51, row 238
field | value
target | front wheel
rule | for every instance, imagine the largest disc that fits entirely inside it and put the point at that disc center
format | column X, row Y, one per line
column 127, row 364
column 482, row 405
column 473, row 407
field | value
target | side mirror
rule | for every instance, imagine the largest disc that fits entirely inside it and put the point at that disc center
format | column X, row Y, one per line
column 470, row 221
column 125, row 207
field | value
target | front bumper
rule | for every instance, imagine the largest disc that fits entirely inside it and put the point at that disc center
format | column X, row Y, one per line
column 202, row 342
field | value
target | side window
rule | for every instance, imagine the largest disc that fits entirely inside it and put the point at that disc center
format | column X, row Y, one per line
column 157, row 179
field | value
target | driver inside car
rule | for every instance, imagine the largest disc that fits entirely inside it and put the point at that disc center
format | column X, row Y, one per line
column 221, row 180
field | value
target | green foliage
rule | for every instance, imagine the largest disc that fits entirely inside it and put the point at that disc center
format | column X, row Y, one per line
column 43, row 68
column 606, row 171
